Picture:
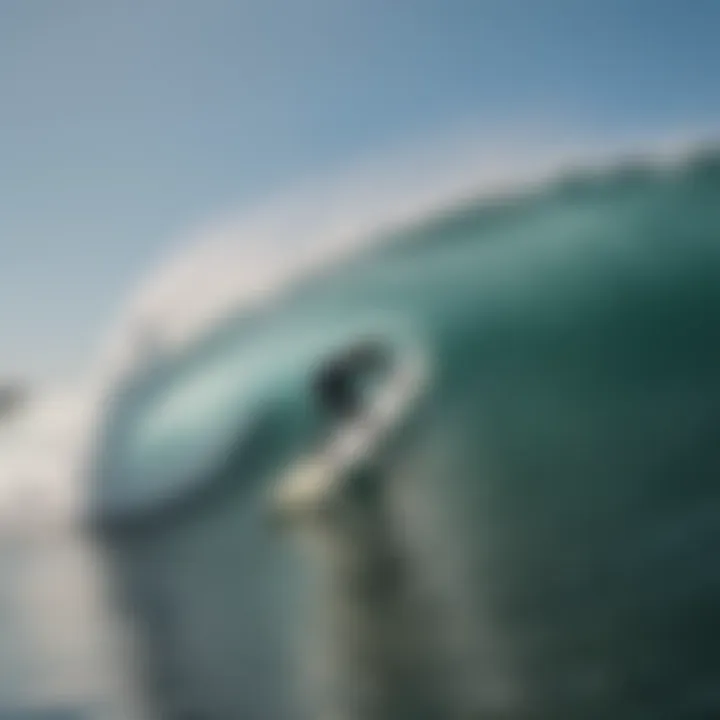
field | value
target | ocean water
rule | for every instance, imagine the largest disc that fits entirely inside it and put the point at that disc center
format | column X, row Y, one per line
column 59, row 647
column 567, row 453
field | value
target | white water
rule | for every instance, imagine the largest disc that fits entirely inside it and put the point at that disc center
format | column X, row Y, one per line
column 59, row 647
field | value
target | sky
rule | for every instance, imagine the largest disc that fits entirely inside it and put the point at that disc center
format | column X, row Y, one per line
column 126, row 124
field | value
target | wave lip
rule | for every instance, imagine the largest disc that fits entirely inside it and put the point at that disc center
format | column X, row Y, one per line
column 244, row 261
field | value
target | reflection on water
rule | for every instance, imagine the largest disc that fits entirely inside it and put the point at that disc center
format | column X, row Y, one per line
column 59, row 654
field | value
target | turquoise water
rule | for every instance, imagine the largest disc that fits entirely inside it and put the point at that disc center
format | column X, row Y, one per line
column 552, row 504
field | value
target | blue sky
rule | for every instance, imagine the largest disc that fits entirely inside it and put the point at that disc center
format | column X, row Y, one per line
column 125, row 123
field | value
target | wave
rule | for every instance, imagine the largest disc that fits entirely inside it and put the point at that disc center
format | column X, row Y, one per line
column 238, row 266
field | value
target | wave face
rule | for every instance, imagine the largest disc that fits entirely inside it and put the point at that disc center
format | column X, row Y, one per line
column 540, row 536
